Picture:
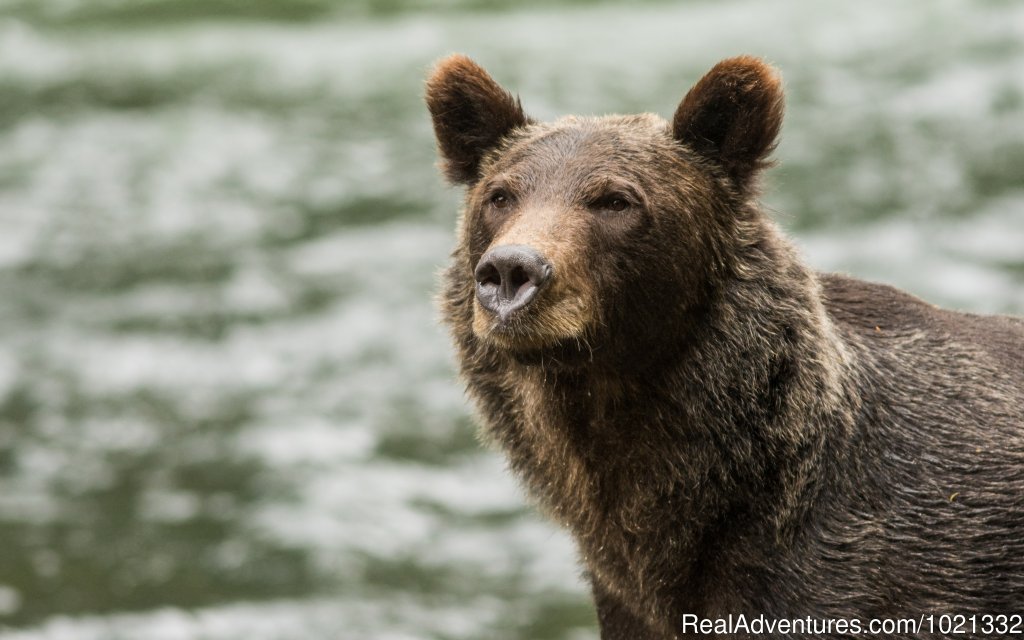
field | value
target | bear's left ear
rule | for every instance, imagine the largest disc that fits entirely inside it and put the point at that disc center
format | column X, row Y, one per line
column 471, row 114
column 732, row 116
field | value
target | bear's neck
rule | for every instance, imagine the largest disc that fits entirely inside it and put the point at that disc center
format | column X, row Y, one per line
column 656, row 471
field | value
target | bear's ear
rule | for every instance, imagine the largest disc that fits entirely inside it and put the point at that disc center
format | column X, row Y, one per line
column 471, row 114
column 732, row 116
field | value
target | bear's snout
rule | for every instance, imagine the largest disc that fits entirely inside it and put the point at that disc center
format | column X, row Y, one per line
column 508, row 278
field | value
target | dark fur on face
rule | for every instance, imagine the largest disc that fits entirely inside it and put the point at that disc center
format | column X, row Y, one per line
column 722, row 429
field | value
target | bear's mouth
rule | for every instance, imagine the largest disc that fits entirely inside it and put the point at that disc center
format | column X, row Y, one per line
column 550, row 323
column 510, row 327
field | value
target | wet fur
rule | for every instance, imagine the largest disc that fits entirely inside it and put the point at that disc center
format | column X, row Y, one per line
column 722, row 429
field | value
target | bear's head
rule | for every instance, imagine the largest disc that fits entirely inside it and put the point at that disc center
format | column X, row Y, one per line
column 580, row 232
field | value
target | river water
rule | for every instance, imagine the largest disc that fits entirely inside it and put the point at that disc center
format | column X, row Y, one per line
column 226, row 407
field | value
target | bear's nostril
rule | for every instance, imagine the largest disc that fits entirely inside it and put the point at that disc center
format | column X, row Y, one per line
column 488, row 275
column 517, row 278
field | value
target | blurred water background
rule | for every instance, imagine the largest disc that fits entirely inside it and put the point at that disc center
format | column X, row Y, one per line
column 226, row 408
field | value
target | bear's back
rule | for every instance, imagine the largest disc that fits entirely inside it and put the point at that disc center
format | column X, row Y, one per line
column 879, row 313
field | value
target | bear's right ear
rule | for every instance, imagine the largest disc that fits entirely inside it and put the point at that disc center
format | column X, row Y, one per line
column 732, row 116
column 471, row 114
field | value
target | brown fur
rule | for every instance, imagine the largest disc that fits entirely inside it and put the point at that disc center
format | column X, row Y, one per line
column 722, row 429
column 733, row 115
column 469, row 116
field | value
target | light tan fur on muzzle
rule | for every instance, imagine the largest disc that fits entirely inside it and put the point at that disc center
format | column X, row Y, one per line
column 564, row 309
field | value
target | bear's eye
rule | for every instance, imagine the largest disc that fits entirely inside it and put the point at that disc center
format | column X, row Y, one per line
column 614, row 202
column 618, row 204
column 500, row 200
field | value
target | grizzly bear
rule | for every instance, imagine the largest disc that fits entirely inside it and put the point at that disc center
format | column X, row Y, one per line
column 737, row 443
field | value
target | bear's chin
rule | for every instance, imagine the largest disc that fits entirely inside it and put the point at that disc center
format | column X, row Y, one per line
column 563, row 354
column 526, row 345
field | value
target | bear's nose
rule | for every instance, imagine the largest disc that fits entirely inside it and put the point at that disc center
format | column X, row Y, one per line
column 508, row 278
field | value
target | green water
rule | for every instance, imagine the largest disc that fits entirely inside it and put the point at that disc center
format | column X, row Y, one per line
column 226, row 408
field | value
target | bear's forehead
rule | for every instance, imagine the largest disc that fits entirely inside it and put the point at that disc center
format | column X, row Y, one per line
column 583, row 143
column 640, row 124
